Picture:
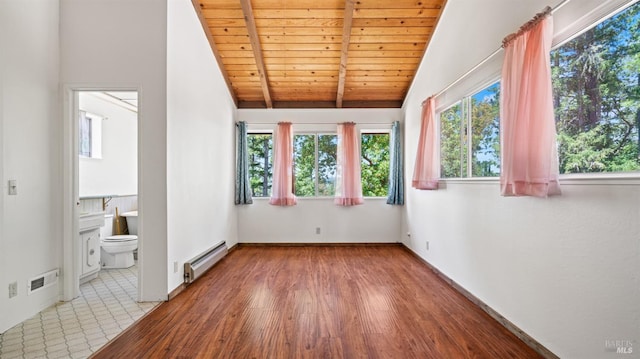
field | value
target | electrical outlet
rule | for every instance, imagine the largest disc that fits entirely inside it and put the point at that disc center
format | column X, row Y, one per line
column 175, row 267
column 13, row 289
column 317, row 230
column 427, row 245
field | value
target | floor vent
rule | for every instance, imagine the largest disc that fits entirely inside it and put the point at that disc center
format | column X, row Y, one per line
column 42, row 281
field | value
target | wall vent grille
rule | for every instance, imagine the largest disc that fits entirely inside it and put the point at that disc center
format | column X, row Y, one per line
column 42, row 281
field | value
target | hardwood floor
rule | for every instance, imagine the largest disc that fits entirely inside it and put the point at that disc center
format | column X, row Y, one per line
column 318, row 302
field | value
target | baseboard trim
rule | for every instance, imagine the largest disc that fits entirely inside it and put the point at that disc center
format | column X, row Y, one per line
column 232, row 248
column 318, row 244
column 177, row 291
column 526, row 338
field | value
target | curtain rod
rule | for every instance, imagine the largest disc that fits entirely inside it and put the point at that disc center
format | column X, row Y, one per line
column 486, row 59
column 321, row 123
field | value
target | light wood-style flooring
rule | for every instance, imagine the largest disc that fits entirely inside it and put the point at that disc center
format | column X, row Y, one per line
column 318, row 302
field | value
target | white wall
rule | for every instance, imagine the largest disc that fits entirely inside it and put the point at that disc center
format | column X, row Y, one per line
column 563, row 269
column 200, row 144
column 30, row 235
column 122, row 44
column 374, row 221
column 116, row 172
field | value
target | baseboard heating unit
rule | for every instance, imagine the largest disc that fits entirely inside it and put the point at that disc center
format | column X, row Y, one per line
column 198, row 265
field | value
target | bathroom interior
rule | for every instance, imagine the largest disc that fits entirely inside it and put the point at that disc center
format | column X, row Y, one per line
column 107, row 182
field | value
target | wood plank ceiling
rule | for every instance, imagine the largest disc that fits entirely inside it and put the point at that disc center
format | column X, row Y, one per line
column 318, row 53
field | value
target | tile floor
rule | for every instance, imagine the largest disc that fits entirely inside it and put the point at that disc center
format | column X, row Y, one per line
column 78, row 328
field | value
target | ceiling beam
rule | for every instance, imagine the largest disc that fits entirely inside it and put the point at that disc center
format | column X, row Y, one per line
column 247, row 11
column 323, row 104
column 346, row 38
column 203, row 22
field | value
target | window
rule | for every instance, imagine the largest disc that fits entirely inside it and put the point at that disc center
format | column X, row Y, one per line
column 478, row 156
column 375, row 164
column 485, row 134
column 90, row 135
column 85, row 135
column 314, row 157
column 260, row 153
column 452, row 142
column 596, row 83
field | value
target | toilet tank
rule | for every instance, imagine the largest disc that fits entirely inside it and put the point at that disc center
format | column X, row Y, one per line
column 107, row 229
column 132, row 221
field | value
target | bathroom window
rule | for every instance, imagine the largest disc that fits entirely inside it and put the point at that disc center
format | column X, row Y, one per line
column 260, row 153
column 90, row 135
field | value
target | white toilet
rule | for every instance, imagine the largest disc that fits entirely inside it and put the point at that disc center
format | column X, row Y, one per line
column 132, row 226
column 116, row 251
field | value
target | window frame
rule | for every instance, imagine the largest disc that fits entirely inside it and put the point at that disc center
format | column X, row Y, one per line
column 466, row 147
column 577, row 28
column 95, row 136
column 315, row 129
column 439, row 137
column 316, row 181
column 568, row 27
column 262, row 132
column 386, row 131
column 364, row 130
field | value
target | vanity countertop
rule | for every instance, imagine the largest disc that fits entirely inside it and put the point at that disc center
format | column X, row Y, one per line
column 89, row 221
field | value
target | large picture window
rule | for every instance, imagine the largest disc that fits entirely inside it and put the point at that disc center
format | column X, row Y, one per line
column 596, row 83
column 314, row 157
column 315, row 160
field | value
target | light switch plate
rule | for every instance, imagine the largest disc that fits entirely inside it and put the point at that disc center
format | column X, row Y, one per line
column 13, row 187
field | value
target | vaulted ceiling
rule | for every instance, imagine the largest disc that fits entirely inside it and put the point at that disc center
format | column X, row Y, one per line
column 318, row 53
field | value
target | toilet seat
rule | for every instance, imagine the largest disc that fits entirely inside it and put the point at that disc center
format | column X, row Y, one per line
column 120, row 238
column 116, row 251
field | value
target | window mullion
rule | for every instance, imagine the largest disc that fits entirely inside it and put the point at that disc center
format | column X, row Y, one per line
column 463, row 134
column 469, row 130
column 316, row 165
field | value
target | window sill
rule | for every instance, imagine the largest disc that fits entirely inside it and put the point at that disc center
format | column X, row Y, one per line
column 320, row 198
column 473, row 180
column 621, row 178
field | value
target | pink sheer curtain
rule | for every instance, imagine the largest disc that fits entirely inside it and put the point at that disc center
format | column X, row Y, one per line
column 348, row 182
column 426, row 171
column 282, row 189
column 527, row 125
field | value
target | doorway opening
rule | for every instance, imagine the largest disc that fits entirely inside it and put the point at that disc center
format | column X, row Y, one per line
column 102, row 239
